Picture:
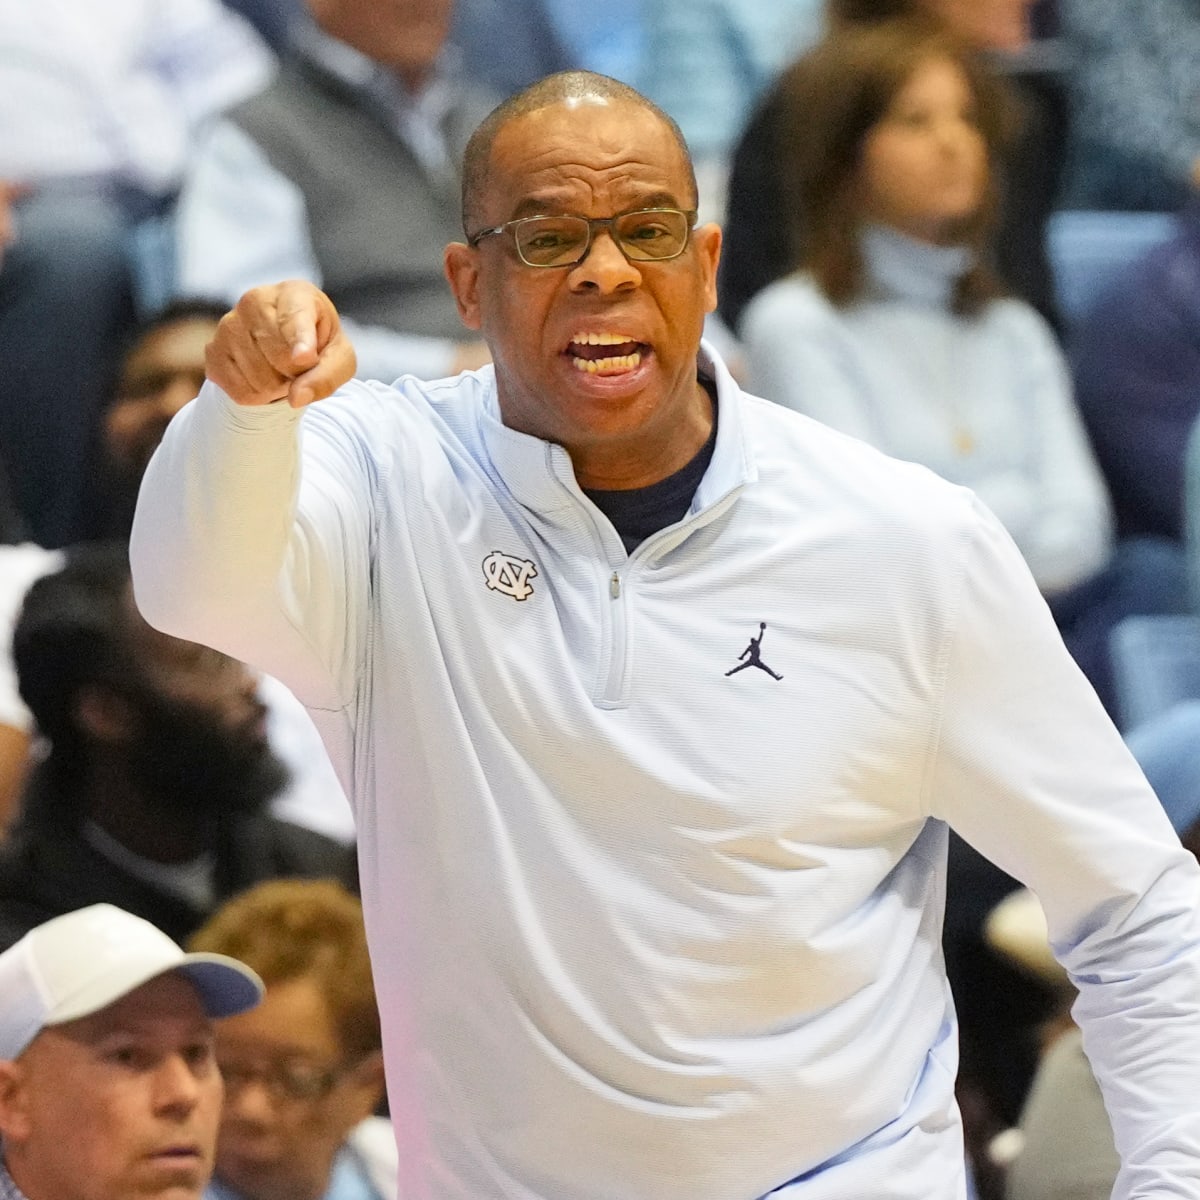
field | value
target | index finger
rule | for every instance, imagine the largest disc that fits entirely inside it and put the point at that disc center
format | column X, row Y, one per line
column 299, row 313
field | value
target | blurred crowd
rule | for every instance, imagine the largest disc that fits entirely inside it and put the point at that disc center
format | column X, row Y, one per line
column 965, row 231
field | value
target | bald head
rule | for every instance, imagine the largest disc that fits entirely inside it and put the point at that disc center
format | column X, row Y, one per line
column 569, row 88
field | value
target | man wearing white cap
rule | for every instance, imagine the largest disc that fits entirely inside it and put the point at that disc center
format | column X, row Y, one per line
column 108, row 1085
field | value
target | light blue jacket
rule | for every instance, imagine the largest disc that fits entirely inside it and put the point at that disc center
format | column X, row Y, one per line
column 643, row 927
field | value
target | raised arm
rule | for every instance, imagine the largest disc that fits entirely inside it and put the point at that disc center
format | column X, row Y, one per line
column 236, row 544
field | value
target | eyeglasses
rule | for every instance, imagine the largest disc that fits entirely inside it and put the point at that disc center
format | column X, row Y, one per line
column 645, row 235
column 288, row 1080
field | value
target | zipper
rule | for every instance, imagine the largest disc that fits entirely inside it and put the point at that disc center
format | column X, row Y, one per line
column 612, row 688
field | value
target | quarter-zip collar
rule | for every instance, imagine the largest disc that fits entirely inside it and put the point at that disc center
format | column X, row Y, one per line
column 540, row 475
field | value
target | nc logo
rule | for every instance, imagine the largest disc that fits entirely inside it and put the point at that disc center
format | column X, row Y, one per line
column 509, row 575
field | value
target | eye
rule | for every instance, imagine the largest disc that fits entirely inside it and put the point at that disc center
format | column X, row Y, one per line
column 199, row 1056
column 549, row 239
column 551, row 233
column 648, row 231
column 130, row 1057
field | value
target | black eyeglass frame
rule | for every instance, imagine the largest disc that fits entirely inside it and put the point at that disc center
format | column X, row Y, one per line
column 593, row 223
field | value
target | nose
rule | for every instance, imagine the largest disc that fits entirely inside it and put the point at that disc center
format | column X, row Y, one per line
column 955, row 135
column 249, row 1103
column 605, row 269
column 178, row 1086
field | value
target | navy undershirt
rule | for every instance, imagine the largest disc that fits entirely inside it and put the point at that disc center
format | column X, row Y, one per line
column 637, row 513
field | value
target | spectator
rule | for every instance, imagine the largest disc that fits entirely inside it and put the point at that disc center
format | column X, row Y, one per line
column 1136, row 362
column 303, row 1071
column 895, row 331
column 762, row 220
column 108, row 1084
column 1135, row 103
column 161, row 371
column 537, row 39
column 158, row 768
column 344, row 172
column 112, row 98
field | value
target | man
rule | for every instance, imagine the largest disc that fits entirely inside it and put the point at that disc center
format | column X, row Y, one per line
column 109, row 1087
column 640, row 929
column 304, row 1070
column 161, row 370
column 152, row 792
column 344, row 172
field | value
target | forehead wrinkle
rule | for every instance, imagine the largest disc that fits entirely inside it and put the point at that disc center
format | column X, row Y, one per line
column 534, row 149
column 575, row 187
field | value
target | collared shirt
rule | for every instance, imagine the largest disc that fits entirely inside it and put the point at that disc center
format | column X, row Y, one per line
column 416, row 118
column 242, row 223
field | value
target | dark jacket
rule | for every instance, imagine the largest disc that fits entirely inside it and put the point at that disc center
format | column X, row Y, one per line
column 45, row 872
column 1136, row 359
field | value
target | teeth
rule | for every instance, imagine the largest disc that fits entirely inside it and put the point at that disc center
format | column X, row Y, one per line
column 602, row 339
column 621, row 362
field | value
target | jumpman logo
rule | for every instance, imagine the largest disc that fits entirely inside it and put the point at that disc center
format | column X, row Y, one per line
column 752, row 655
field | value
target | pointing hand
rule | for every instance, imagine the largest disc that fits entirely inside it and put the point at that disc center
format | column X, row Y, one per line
column 280, row 342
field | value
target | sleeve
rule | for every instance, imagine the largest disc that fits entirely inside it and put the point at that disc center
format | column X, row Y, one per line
column 1069, row 532
column 1029, row 770
column 253, row 534
column 796, row 356
column 242, row 224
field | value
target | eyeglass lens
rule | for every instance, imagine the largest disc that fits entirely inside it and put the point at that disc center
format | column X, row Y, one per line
column 287, row 1080
column 562, row 241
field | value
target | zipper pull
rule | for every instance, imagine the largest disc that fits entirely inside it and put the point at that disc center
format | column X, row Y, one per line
column 614, row 586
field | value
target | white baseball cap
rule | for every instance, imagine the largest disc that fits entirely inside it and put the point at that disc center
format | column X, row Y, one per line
column 77, row 964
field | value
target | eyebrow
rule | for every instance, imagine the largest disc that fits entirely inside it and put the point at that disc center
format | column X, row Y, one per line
column 535, row 206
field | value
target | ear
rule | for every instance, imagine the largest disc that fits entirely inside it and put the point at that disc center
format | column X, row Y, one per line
column 16, row 1124
column 707, row 242
column 103, row 715
column 461, row 266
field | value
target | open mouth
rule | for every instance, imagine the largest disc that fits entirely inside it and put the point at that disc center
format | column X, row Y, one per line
column 605, row 353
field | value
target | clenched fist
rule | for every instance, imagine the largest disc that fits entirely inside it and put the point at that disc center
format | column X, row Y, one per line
column 280, row 342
